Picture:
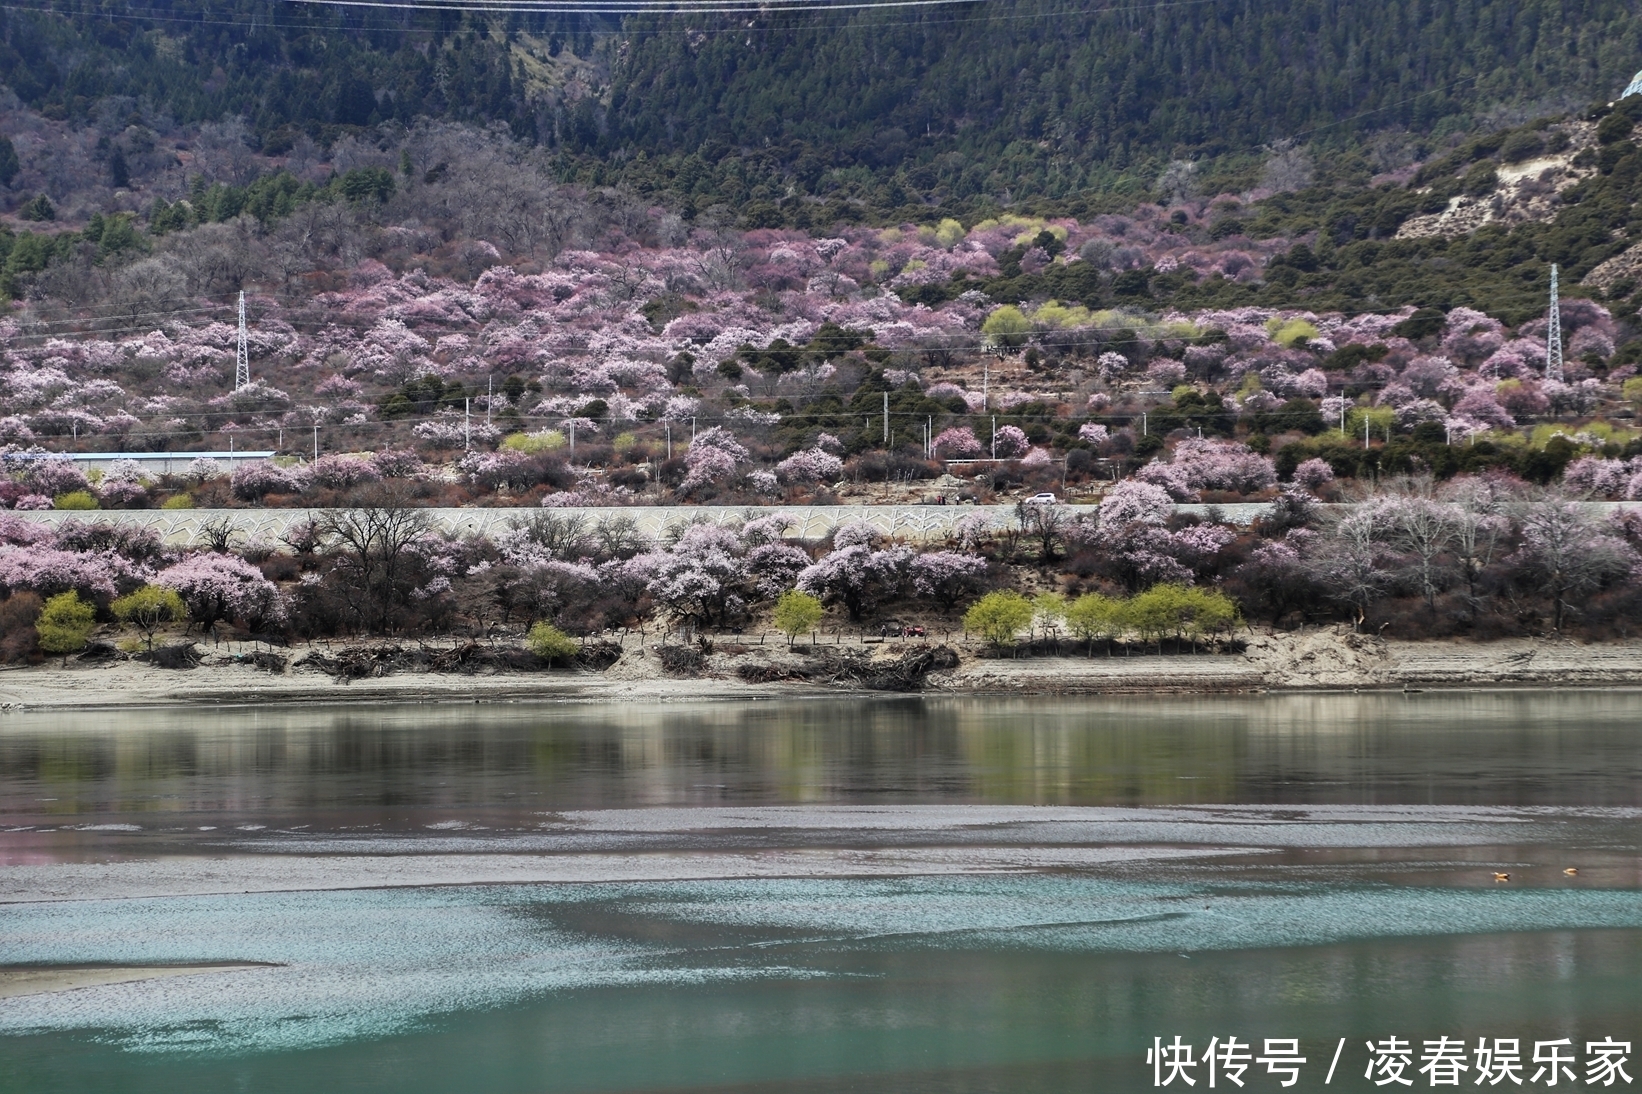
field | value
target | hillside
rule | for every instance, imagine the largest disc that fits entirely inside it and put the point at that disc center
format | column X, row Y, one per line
column 443, row 314
column 956, row 106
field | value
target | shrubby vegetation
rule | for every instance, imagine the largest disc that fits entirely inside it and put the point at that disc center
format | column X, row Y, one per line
column 1483, row 555
column 448, row 315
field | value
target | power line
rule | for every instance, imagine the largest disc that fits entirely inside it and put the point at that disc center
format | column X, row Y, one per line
column 632, row 7
column 159, row 15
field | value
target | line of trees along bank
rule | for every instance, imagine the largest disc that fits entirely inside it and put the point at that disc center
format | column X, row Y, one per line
column 1483, row 557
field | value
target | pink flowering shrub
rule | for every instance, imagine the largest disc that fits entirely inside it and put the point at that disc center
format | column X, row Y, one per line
column 1168, row 477
column 957, row 443
column 252, row 480
column 1093, row 433
column 1208, row 464
column 47, row 571
column 222, row 587
column 1601, row 477
column 20, row 532
column 505, row 469
column 51, row 476
column 1313, row 474
column 1479, row 405
column 715, row 456
column 1131, row 502
column 123, row 494
column 1166, row 373
column 947, row 577
column 1010, row 442
column 1112, row 365
column 810, row 465
column 856, row 575
column 338, row 472
column 401, row 463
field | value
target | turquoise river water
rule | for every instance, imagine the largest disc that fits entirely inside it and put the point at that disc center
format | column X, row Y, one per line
column 816, row 895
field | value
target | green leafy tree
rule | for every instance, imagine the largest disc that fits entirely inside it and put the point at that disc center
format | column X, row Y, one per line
column 1048, row 609
column 1094, row 615
column 1379, row 420
column 797, row 612
column 1006, row 327
column 1181, row 611
column 550, row 643
column 533, row 444
column 999, row 616
column 150, row 608
column 1158, row 611
column 75, row 499
column 38, row 208
column 65, row 624
column 1212, row 612
column 9, row 163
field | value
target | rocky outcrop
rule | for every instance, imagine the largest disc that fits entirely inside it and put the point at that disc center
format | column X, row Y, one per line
column 1527, row 192
column 1625, row 266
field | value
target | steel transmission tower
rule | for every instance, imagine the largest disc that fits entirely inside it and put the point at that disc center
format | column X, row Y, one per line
column 242, row 354
column 1553, row 336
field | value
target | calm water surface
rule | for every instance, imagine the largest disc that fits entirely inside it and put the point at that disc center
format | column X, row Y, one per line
column 1314, row 867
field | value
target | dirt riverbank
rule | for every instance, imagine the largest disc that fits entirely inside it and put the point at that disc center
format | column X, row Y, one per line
column 1323, row 660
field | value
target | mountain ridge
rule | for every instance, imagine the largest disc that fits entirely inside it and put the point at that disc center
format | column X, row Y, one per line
column 1005, row 100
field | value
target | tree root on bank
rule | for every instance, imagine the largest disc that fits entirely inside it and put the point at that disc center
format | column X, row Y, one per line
column 471, row 659
column 857, row 668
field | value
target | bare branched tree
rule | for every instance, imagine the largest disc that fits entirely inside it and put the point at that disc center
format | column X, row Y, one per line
column 563, row 536
column 371, row 548
column 1566, row 553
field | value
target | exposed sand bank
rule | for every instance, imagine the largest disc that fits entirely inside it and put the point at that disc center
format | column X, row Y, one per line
column 687, row 844
column 18, row 980
column 1325, row 659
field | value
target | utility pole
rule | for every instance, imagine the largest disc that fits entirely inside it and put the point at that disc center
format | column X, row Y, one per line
column 1365, row 432
column 994, row 436
column 316, row 440
column 669, row 440
column 572, row 440
column 242, row 351
column 1553, row 336
column 467, row 423
column 886, row 419
column 986, row 377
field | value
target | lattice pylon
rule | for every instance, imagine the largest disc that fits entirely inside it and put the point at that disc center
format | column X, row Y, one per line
column 242, row 351
column 1553, row 336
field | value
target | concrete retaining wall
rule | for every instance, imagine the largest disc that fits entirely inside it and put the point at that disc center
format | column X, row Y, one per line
column 915, row 523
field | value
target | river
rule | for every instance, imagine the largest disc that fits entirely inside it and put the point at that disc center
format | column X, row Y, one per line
column 816, row 895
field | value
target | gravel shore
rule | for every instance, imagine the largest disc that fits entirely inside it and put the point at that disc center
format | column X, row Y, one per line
column 1330, row 659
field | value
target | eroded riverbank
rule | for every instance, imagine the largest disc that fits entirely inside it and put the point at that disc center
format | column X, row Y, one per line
column 1325, row 659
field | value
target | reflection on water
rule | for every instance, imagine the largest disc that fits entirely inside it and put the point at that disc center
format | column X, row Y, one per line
column 1349, row 924
column 340, row 766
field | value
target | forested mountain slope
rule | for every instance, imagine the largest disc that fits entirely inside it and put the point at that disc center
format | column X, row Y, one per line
column 1009, row 99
